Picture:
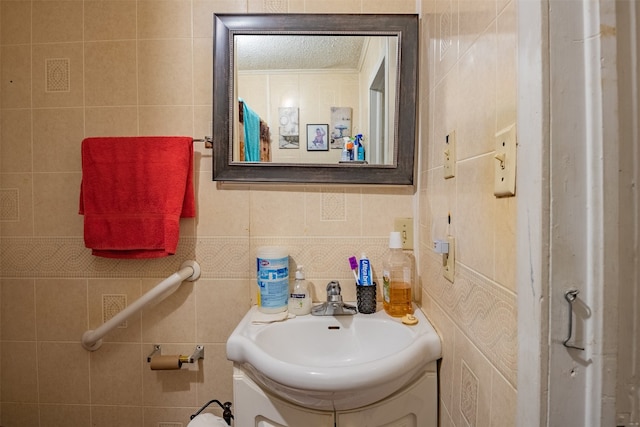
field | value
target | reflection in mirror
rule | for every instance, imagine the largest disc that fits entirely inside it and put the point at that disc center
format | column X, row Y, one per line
column 291, row 82
column 294, row 94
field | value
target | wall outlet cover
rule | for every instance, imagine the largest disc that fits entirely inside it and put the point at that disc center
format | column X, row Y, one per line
column 450, row 155
column 505, row 163
column 450, row 266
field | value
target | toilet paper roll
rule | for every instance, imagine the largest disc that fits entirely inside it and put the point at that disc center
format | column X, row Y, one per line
column 163, row 363
column 207, row 420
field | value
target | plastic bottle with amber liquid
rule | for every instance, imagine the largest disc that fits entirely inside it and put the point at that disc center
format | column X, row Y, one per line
column 397, row 279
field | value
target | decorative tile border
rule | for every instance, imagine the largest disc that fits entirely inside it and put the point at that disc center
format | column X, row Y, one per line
column 219, row 257
column 484, row 311
column 327, row 257
column 68, row 257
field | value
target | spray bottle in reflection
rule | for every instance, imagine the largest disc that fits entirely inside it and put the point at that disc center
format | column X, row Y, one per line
column 360, row 150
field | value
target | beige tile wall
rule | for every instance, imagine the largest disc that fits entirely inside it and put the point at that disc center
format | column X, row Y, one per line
column 469, row 84
column 139, row 67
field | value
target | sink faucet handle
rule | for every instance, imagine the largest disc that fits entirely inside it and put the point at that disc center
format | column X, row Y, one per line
column 333, row 288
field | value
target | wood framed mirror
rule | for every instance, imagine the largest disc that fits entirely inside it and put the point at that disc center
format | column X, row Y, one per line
column 292, row 91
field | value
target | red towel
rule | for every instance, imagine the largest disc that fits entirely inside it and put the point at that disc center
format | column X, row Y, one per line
column 134, row 191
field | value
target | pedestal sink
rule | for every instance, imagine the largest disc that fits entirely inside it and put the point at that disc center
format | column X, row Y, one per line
column 334, row 362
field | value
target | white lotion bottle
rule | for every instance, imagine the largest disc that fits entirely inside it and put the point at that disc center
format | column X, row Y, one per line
column 300, row 299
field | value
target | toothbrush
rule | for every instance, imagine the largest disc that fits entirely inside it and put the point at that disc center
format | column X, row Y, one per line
column 354, row 266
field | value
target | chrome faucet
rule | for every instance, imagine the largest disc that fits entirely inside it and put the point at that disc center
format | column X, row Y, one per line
column 334, row 305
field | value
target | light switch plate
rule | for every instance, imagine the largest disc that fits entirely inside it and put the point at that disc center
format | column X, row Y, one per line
column 449, row 267
column 450, row 155
column 505, row 162
column 405, row 227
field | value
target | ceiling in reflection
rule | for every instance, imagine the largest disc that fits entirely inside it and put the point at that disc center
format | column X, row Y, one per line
column 283, row 52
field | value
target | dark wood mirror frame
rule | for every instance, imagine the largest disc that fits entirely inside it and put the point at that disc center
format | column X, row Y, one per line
column 226, row 26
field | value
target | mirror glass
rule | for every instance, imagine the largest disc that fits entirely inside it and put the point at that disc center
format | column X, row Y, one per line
column 293, row 83
column 315, row 98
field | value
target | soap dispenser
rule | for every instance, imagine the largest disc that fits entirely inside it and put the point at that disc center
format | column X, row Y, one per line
column 300, row 299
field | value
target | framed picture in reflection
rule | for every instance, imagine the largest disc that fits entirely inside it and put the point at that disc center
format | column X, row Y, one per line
column 317, row 137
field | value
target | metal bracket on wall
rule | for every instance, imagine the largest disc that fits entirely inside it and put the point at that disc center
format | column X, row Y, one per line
column 571, row 296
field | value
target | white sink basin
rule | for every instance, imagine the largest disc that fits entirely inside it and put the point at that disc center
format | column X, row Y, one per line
column 334, row 362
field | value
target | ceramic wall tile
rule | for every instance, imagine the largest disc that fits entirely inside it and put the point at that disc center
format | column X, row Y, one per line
column 267, row 6
column 163, row 19
column 56, row 197
column 474, row 17
column 203, row 11
column 106, row 298
column 221, row 213
column 15, row 22
column 20, row 414
column 446, row 37
column 333, row 6
column 503, row 402
column 57, row 21
column 60, row 381
column 125, row 416
column 476, row 214
column 57, row 75
column 381, row 207
column 165, row 75
column 220, row 305
column 16, row 143
column 108, row 62
column 58, row 134
column 61, row 309
column 506, row 76
column 389, row 6
column 202, row 72
column 477, row 98
column 505, row 243
column 285, row 207
column 165, row 120
column 446, row 119
column 16, row 76
column 472, row 385
column 19, row 385
column 18, row 310
column 111, row 121
column 171, row 320
column 116, row 374
column 333, row 211
column 109, row 20
column 17, row 201
column 64, row 415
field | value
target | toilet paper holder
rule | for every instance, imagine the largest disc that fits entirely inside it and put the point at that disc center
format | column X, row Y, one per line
column 198, row 353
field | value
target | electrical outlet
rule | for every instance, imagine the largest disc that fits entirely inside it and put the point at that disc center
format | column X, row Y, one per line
column 450, row 155
column 405, row 227
column 450, row 261
column 505, row 163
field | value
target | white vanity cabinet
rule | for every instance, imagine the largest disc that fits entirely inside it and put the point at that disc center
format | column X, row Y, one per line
column 413, row 406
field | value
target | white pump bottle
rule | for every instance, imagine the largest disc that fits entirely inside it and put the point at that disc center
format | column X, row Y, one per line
column 300, row 299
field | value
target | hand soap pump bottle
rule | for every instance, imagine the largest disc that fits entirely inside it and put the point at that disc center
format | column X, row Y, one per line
column 397, row 279
column 300, row 299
